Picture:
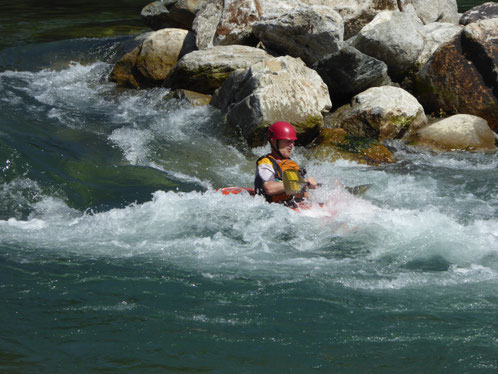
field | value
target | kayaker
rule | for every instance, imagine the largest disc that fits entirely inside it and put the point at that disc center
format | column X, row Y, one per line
column 270, row 168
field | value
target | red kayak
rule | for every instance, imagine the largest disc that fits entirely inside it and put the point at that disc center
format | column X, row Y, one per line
column 236, row 190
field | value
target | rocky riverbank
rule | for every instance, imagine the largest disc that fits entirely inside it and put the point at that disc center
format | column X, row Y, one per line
column 350, row 72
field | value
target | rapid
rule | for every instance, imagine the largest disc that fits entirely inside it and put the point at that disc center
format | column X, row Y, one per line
column 117, row 252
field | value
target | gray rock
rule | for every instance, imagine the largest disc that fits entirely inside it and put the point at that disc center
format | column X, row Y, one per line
column 480, row 12
column 206, row 23
column 396, row 38
column 280, row 88
column 205, row 70
column 171, row 13
column 306, row 32
column 436, row 11
column 349, row 72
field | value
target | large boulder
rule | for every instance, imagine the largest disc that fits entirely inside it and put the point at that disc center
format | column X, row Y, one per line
column 395, row 38
column 459, row 132
column 307, row 32
column 436, row 34
column 149, row 63
column 206, row 70
column 480, row 12
column 276, row 89
column 226, row 22
column 380, row 112
column 461, row 75
column 206, row 23
column 349, row 72
column 356, row 13
column 171, row 13
column 480, row 42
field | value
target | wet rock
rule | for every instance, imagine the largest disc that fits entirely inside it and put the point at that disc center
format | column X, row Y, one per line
column 457, row 80
column 171, row 13
column 280, row 88
column 480, row 12
column 149, row 63
column 349, row 72
column 459, row 132
column 306, row 32
column 334, row 144
column 194, row 98
column 205, row 70
column 380, row 113
column 396, row 38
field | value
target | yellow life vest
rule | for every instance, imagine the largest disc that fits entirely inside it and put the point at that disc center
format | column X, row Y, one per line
column 279, row 166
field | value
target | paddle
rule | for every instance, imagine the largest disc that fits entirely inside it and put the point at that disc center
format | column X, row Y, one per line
column 294, row 184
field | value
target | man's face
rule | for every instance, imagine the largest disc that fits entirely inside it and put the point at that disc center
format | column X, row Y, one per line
column 285, row 147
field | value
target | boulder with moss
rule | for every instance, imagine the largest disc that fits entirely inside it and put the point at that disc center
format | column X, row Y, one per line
column 149, row 63
column 334, row 144
column 206, row 70
column 381, row 113
column 461, row 76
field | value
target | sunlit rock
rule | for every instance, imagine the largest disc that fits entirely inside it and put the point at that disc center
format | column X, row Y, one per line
column 149, row 64
column 230, row 22
column 306, row 32
column 280, row 88
column 356, row 13
column 205, row 70
column 381, row 113
column 430, row 11
column 460, row 77
column 459, row 132
column 480, row 12
column 206, row 23
column 395, row 38
column 349, row 72
column 171, row 13
column 335, row 144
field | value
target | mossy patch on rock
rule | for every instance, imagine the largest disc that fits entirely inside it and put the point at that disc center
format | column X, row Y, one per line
column 335, row 144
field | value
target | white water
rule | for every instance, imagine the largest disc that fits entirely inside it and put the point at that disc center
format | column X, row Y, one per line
column 411, row 215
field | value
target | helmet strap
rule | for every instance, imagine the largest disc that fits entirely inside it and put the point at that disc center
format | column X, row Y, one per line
column 276, row 150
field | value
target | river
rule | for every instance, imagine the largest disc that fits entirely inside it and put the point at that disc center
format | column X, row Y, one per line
column 117, row 254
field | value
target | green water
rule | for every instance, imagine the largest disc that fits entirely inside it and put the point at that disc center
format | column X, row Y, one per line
column 117, row 254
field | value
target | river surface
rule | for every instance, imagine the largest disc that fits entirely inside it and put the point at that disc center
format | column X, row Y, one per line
column 118, row 255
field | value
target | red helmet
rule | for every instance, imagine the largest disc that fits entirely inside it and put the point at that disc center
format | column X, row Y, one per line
column 282, row 130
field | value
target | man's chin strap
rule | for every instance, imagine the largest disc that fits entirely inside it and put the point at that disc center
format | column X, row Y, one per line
column 276, row 150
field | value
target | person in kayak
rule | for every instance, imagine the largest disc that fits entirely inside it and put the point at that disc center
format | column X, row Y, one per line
column 270, row 168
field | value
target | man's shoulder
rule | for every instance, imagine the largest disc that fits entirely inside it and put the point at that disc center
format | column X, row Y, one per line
column 265, row 160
